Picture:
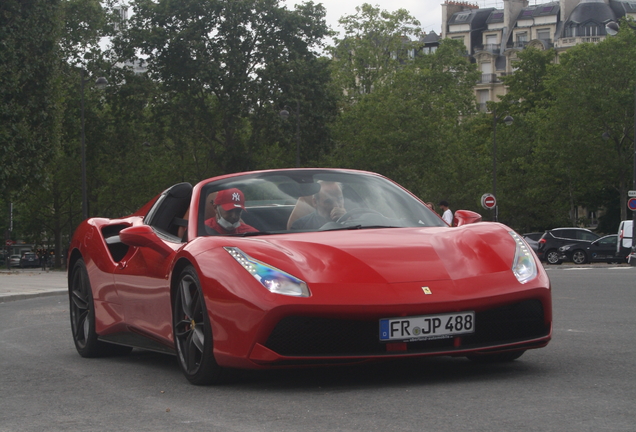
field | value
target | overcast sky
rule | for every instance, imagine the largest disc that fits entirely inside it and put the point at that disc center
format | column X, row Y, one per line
column 427, row 12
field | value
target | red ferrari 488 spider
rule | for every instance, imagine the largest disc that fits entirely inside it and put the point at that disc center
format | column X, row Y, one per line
column 302, row 267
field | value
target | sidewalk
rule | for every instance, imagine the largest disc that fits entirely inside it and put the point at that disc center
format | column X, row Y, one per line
column 22, row 284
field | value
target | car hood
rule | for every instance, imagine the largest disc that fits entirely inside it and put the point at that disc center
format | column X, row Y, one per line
column 392, row 255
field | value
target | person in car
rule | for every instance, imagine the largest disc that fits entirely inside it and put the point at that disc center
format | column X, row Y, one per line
column 329, row 205
column 228, row 206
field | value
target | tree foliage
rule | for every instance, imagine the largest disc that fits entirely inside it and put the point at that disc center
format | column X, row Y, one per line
column 221, row 57
column 29, row 91
column 376, row 44
column 406, row 129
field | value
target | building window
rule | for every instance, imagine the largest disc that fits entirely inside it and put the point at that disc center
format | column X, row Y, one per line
column 543, row 34
column 589, row 30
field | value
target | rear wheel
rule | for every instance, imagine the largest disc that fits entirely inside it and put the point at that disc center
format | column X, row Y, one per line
column 552, row 257
column 193, row 333
column 496, row 358
column 82, row 309
column 579, row 257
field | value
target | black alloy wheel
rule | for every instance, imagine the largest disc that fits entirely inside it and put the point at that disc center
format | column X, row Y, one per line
column 193, row 333
column 82, row 311
column 579, row 257
column 552, row 257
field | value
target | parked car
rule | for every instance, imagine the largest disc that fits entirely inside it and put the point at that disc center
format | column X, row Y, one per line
column 553, row 239
column 601, row 250
column 29, row 259
column 252, row 270
column 533, row 240
column 14, row 260
column 624, row 244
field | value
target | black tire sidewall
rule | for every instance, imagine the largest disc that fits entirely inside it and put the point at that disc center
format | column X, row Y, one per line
column 209, row 372
column 91, row 348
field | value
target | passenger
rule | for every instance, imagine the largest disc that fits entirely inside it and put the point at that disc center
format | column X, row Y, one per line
column 329, row 205
column 228, row 206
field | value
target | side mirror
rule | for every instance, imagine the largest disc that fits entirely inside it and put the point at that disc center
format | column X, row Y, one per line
column 144, row 236
column 465, row 217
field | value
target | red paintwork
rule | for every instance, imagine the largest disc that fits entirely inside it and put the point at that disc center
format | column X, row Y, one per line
column 373, row 274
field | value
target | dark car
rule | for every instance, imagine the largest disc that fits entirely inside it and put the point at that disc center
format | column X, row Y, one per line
column 533, row 240
column 553, row 239
column 29, row 259
column 601, row 250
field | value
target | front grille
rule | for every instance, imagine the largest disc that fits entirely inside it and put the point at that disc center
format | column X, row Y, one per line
column 315, row 336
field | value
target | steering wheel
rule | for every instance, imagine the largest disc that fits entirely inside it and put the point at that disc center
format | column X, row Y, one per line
column 355, row 212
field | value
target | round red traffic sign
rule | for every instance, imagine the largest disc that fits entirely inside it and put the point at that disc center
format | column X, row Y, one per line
column 488, row 201
column 9, row 242
column 631, row 203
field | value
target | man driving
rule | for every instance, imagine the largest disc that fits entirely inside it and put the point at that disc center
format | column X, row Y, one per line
column 329, row 205
column 228, row 206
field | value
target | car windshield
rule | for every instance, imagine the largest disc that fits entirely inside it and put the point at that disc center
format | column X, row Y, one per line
column 290, row 201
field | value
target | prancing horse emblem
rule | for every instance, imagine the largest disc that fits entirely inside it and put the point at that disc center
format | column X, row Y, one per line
column 427, row 290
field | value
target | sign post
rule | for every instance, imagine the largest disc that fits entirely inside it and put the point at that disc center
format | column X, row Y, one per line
column 488, row 201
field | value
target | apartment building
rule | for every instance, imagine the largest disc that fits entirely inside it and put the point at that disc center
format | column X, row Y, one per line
column 493, row 37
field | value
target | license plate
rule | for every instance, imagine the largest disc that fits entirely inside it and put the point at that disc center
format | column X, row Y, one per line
column 427, row 327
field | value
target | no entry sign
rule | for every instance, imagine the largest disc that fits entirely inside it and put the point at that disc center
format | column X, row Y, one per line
column 488, row 201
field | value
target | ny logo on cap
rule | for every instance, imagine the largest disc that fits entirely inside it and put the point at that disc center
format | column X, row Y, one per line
column 236, row 197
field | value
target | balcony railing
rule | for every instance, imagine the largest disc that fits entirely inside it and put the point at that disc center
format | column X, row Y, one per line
column 491, row 48
column 571, row 41
column 522, row 44
column 488, row 79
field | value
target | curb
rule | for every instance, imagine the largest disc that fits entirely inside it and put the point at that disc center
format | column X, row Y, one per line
column 22, row 296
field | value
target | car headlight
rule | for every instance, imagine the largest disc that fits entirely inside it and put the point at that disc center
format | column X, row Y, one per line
column 275, row 280
column 524, row 266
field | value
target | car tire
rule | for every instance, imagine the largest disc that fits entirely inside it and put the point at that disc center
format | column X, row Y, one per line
column 579, row 257
column 82, row 313
column 496, row 358
column 552, row 257
column 193, row 333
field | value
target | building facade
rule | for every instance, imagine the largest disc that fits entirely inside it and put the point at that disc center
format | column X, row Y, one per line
column 493, row 37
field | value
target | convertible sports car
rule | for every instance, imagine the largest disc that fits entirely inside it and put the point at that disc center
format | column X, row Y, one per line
column 302, row 267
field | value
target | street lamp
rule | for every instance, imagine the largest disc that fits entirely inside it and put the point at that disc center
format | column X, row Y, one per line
column 508, row 121
column 285, row 114
column 101, row 84
column 612, row 29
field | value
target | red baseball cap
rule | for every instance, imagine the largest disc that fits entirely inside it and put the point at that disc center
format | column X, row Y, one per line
column 230, row 199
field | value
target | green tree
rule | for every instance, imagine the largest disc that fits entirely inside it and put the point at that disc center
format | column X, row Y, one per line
column 220, row 57
column 376, row 44
column 29, row 91
column 407, row 128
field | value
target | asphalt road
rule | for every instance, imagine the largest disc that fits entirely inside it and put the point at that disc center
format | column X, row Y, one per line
column 585, row 380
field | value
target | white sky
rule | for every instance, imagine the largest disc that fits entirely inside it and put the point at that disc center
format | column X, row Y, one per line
column 427, row 12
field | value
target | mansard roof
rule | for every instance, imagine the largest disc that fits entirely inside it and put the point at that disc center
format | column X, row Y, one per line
column 591, row 10
column 545, row 9
column 475, row 17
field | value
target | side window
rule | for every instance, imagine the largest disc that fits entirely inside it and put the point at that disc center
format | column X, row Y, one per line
column 566, row 233
column 584, row 235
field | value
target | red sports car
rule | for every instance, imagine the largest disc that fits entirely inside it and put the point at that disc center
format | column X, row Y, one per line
column 302, row 267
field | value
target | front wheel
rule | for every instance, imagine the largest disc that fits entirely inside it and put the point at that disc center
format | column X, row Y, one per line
column 193, row 332
column 579, row 257
column 552, row 257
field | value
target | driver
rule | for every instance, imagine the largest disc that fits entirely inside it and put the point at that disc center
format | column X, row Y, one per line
column 329, row 205
column 228, row 206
